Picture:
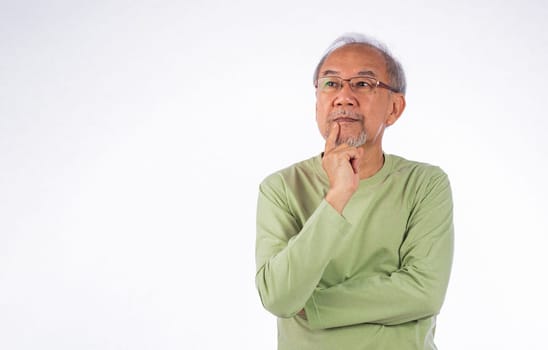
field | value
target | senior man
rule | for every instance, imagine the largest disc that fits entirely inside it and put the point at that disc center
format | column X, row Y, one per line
column 354, row 246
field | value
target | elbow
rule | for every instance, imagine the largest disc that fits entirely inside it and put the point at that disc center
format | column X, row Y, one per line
column 425, row 306
column 432, row 306
column 431, row 303
column 279, row 302
column 429, row 292
column 277, row 306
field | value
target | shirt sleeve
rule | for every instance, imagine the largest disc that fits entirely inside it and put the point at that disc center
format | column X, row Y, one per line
column 291, row 259
column 415, row 291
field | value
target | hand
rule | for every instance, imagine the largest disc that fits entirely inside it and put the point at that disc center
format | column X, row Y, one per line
column 342, row 165
column 302, row 314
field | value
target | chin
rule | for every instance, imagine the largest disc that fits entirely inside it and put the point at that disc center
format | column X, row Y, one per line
column 354, row 140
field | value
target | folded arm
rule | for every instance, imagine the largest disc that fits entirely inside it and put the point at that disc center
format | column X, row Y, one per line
column 416, row 290
column 290, row 258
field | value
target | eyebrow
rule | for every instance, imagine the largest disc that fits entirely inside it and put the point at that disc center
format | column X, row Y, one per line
column 329, row 72
column 368, row 72
column 364, row 72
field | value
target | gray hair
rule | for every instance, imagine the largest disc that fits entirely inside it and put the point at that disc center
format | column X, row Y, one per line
column 394, row 69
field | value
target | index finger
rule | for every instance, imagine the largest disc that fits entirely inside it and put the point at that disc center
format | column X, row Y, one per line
column 332, row 136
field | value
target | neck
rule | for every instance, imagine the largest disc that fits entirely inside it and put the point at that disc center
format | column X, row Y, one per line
column 372, row 162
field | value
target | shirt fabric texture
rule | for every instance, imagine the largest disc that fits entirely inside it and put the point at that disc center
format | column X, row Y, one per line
column 374, row 277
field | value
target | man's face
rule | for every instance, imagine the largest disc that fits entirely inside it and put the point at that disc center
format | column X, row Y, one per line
column 359, row 115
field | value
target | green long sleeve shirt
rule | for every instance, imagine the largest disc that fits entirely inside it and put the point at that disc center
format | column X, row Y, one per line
column 374, row 277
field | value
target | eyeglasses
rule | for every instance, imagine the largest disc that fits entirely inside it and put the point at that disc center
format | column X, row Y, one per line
column 362, row 85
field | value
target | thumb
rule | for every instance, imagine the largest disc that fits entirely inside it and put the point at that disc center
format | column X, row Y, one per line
column 357, row 161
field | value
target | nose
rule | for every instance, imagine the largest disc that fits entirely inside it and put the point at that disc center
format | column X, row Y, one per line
column 345, row 96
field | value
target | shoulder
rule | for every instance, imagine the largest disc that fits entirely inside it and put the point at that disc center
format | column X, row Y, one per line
column 308, row 169
column 415, row 169
column 420, row 178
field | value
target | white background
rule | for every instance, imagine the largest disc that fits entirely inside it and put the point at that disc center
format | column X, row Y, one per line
column 134, row 134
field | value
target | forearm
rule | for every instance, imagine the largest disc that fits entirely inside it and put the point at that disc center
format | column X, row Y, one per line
column 415, row 290
column 412, row 293
column 288, row 272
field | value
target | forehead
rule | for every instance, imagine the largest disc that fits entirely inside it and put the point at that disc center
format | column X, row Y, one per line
column 353, row 59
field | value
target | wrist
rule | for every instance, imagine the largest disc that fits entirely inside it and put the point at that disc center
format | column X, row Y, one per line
column 337, row 200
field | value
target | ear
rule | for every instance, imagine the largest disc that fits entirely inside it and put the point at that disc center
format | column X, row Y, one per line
column 397, row 107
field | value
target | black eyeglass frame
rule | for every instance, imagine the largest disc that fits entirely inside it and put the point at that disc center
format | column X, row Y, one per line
column 377, row 84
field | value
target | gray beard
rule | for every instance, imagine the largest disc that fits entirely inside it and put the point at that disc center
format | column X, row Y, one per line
column 351, row 141
column 354, row 141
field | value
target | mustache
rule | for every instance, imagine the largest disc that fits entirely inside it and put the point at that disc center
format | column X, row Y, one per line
column 344, row 113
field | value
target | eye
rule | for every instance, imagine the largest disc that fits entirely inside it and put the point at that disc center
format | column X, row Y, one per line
column 363, row 83
column 329, row 83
